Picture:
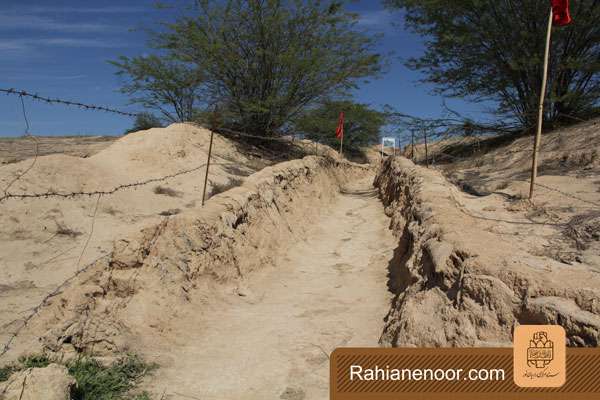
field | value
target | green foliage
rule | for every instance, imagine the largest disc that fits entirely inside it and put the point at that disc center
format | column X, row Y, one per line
column 94, row 381
column 362, row 124
column 160, row 83
column 145, row 121
column 34, row 361
column 24, row 362
column 493, row 50
column 7, row 371
column 98, row 382
column 264, row 61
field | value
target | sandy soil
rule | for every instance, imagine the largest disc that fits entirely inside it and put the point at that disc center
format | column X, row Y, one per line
column 246, row 297
column 45, row 241
column 242, row 298
column 21, row 148
column 564, row 219
column 469, row 268
column 328, row 291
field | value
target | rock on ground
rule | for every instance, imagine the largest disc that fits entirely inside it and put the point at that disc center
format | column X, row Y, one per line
column 50, row 383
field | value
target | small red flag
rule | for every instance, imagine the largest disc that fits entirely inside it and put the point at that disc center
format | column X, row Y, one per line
column 339, row 132
column 561, row 13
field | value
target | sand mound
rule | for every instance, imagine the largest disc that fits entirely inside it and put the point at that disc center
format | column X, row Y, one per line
column 486, row 165
column 468, row 269
column 15, row 149
column 96, row 246
column 44, row 241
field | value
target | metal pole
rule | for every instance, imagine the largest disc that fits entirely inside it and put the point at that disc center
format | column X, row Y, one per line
column 426, row 150
column 207, row 167
column 412, row 140
column 538, row 135
column 342, row 146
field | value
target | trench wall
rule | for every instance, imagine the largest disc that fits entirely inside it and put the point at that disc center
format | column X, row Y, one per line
column 456, row 283
column 125, row 298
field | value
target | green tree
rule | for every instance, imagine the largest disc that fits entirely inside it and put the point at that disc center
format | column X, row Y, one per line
column 159, row 83
column 493, row 50
column 144, row 121
column 362, row 125
column 264, row 61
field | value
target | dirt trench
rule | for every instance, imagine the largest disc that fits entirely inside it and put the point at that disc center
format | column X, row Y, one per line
column 273, row 340
column 243, row 298
column 465, row 275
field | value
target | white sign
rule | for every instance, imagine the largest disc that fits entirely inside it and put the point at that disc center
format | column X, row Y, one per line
column 388, row 142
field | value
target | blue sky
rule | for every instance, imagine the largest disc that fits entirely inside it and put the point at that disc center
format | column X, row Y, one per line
column 61, row 48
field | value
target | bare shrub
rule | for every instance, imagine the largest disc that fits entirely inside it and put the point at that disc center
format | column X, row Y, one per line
column 63, row 230
column 168, row 213
column 110, row 210
column 583, row 229
column 220, row 188
column 165, row 191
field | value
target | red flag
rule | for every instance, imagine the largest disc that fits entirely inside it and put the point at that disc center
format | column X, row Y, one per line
column 561, row 14
column 339, row 132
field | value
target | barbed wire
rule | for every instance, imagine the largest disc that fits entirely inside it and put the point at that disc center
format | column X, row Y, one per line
column 456, row 158
column 226, row 131
column 52, row 194
column 568, row 194
column 91, row 231
column 37, row 308
column 37, row 146
column 99, row 192
column 49, row 100
column 441, row 154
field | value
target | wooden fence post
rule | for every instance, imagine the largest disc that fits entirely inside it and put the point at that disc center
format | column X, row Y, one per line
column 212, row 133
column 426, row 149
column 412, row 141
column 538, row 135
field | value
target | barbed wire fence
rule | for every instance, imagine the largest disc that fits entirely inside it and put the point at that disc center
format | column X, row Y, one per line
column 132, row 185
column 8, row 195
column 90, row 107
column 431, row 144
column 34, row 311
column 27, row 134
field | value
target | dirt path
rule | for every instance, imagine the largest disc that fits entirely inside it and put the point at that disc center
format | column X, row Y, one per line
column 329, row 290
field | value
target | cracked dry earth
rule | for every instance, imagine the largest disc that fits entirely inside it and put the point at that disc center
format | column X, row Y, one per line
column 273, row 340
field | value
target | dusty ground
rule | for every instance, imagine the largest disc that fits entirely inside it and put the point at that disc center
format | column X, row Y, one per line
column 21, row 148
column 246, row 297
column 273, row 274
column 564, row 218
column 45, row 241
column 469, row 268
column 329, row 290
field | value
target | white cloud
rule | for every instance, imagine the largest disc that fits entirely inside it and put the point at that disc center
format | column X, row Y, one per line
column 33, row 43
column 34, row 22
column 42, row 77
column 10, row 44
column 89, row 10
column 75, row 42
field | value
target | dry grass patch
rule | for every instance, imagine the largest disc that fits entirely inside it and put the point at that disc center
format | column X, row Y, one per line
column 166, row 191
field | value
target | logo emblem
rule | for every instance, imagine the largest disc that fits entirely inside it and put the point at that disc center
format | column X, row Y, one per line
column 540, row 356
column 541, row 350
